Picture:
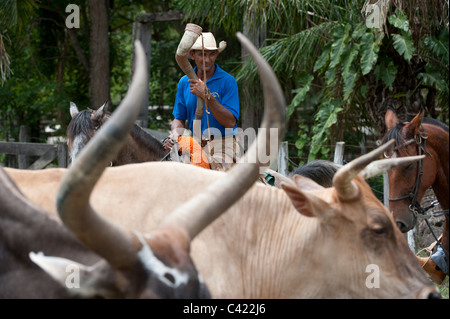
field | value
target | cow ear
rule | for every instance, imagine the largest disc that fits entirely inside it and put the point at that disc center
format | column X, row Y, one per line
column 413, row 126
column 79, row 279
column 73, row 109
column 306, row 202
column 390, row 118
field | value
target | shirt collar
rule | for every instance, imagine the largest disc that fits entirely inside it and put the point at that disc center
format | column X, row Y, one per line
column 218, row 73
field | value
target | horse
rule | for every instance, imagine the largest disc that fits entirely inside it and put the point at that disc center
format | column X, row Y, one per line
column 407, row 185
column 140, row 146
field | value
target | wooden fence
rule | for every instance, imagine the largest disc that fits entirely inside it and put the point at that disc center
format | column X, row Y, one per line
column 47, row 153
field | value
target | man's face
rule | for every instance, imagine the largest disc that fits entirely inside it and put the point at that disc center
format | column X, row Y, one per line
column 209, row 56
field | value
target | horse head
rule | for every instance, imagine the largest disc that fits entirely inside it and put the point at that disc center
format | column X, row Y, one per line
column 83, row 126
column 140, row 145
column 408, row 184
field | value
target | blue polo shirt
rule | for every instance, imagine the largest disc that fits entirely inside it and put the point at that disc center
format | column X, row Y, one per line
column 223, row 87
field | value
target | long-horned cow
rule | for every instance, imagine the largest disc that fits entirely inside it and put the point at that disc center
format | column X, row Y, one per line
column 123, row 263
column 301, row 241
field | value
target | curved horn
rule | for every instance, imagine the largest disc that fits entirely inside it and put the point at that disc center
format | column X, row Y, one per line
column 381, row 166
column 342, row 180
column 98, row 234
column 191, row 34
column 205, row 207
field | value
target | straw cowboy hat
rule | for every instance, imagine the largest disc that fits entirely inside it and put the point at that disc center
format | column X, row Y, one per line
column 209, row 43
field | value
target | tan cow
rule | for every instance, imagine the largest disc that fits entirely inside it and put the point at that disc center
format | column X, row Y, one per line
column 301, row 241
column 304, row 241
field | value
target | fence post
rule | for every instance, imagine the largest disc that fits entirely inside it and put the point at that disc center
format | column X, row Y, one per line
column 386, row 189
column 62, row 154
column 283, row 156
column 339, row 153
column 23, row 137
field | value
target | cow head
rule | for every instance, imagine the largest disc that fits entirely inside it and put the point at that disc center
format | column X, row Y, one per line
column 160, row 267
column 370, row 257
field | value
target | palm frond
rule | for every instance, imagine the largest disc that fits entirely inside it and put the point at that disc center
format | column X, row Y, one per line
column 287, row 53
column 16, row 13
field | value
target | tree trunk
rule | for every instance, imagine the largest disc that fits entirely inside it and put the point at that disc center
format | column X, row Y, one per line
column 99, row 53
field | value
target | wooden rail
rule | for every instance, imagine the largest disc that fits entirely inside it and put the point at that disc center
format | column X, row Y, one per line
column 47, row 152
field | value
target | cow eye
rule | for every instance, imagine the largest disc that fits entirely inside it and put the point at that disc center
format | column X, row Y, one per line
column 379, row 231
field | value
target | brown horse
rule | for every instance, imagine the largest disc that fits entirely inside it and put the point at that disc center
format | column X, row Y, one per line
column 140, row 146
column 420, row 136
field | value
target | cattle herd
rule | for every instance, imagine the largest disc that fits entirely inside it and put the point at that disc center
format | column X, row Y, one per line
column 172, row 230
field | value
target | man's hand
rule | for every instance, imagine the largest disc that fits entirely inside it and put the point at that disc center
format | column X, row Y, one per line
column 169, row 142
column 177, row 129
column 198, row 88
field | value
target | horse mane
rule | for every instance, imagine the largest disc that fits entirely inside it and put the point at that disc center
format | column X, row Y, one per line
column 435, row 122
column 81, row 124
column 148, row 141
column 394, row 132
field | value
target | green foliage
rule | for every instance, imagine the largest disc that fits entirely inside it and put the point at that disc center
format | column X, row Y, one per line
column 336, row 67
column 439, row 46
column 302, row 141
column 404, row 45
column 399, row 20
column 323, row 59
column 339, row 44
column 342, row 58
column 300, row 93
column 376, row 184
column 386, row 71
column 436, row 74
column 369, row 52
column 402, row 42
column 342, row 53
column 325, row 118
column 433, row 78
column 16, row 13
column 347, row 61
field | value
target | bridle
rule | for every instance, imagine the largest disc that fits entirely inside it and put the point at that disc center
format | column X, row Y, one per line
column 414, row 205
